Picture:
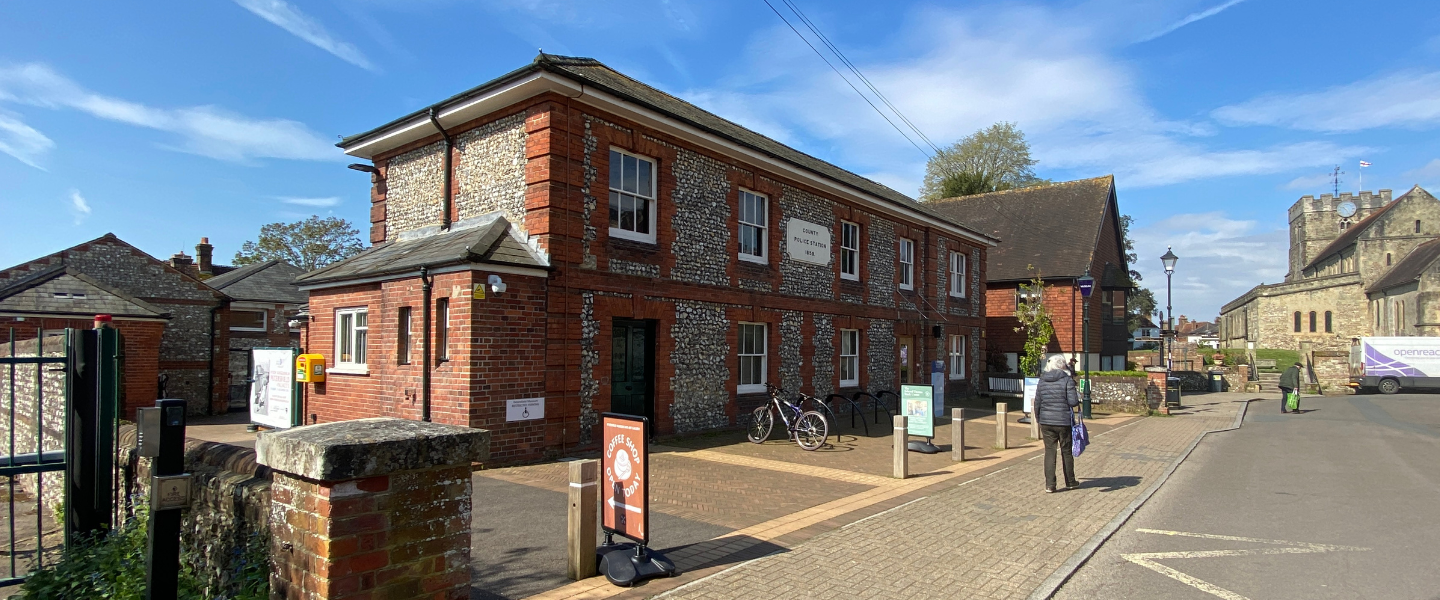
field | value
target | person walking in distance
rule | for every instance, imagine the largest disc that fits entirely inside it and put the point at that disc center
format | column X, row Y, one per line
column 1289, row 382
column 1055, row 402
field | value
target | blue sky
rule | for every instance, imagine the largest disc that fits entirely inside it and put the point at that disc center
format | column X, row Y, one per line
column 167, row 121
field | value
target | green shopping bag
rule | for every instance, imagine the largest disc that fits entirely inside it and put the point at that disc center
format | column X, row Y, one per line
column 1292, row 401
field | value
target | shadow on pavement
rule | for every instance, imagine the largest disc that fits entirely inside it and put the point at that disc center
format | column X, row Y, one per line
column 1111, row 483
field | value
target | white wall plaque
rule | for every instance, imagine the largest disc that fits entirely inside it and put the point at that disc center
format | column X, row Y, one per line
column 524, row 409
column 807, row 242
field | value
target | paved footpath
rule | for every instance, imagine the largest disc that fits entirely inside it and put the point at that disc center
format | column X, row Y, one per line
column 996, row 536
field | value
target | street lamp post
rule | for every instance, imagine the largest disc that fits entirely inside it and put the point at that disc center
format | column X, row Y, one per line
column 1087, row 286
column 1169, row 261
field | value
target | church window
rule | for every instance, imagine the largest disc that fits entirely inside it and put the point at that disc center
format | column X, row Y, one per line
column 1297, row 321
column 1417, row 225
column 1329, row 322
column 1387, row 259
column 1312, row 321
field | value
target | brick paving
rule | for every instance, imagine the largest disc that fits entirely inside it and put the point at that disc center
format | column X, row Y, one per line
column 995, row 536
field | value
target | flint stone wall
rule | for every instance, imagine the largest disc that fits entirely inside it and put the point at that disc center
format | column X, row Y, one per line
column 1122, row 394
column 490, row 170
column 701, row 373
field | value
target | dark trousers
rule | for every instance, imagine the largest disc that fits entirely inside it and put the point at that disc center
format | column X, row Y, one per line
column 1284, row 393
column 1058, row 436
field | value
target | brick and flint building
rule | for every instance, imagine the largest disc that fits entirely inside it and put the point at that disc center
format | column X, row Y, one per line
column 655, row 259
column 1058, row 232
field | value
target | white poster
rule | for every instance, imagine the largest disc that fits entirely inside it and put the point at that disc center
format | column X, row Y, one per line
column 272, row 387
column 525, row 409
column 807, row 242
column 1032, row 385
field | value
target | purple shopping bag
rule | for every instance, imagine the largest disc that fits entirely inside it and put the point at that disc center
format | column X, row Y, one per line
column 1079, row 437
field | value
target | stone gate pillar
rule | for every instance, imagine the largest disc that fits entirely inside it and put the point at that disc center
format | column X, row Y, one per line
column 371, row 508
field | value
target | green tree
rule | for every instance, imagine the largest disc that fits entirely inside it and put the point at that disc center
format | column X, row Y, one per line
column 1035, row 323
column 1141, row 301
column 991, row 159
column 308, row 244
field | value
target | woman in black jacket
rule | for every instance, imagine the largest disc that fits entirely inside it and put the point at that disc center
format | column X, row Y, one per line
column 1055, row 401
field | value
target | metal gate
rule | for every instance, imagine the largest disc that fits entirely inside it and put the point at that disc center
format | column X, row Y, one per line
column 61, row 390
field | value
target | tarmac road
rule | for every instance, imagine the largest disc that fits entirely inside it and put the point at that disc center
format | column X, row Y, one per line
column 1341, row 501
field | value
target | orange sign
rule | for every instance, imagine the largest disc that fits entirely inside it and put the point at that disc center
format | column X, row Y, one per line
column 625, row 484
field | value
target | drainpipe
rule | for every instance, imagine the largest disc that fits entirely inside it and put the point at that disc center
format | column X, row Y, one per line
column 210, row 381
column 425, row 288
column 445, row 195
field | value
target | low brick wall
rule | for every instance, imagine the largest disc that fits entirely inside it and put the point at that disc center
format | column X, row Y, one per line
column 229, row 507
column 1121, row 394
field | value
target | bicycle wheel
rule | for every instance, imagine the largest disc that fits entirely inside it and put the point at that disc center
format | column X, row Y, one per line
column 760, row 423
column 811, row 431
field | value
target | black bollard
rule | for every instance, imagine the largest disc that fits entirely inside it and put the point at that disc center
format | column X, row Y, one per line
column 162, row 436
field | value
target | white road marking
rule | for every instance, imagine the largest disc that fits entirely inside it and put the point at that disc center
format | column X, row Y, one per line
column 1147, row 559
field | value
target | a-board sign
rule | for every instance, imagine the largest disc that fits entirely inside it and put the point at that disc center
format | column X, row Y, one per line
column 272, row 387
column 524, row 409
column 625, row 481
column 1032, row 384
column 915, row 403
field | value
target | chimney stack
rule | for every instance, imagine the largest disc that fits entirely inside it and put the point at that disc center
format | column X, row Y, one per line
column 203, row 251
column 183, row 263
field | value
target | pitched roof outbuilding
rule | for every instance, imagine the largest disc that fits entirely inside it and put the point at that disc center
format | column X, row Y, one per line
column 483, row 239
column 1054, row 228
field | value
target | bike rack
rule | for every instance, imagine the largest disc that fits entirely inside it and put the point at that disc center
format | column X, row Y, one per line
column 878, row 404
column 854, row 410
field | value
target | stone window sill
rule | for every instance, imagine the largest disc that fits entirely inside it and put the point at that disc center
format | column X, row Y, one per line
column 349, row 370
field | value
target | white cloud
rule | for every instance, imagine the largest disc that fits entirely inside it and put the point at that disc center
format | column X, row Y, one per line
column 1191, row 18
column 1049, row 71
column 1220, row 259
column 1308, row 182
column 78, row 206
column 316, row 202
column 1406, row 99
column 205, row 130
column 22, row 141
column 285, row 16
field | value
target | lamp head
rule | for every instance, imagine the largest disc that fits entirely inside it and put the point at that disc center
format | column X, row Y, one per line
column 1169, row 260
column 363, row 167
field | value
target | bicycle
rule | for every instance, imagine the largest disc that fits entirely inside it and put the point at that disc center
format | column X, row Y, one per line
column 807, row 428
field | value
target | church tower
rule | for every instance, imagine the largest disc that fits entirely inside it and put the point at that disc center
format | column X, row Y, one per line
column 1316, row 222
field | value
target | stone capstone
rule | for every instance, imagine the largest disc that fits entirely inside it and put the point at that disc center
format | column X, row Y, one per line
column 368, row 447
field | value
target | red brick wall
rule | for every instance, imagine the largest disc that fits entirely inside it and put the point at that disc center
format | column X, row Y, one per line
column 496, row 353
column 141, row 340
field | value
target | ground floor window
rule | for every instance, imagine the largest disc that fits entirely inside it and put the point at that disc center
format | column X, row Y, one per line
column 752, row 358
column 351, row 329
column 849, row 357
column 957, row 356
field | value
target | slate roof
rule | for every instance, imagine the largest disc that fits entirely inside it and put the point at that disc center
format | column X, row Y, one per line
column 269, row 281
column 484, row 239
column 1053, row 227
column 1409, row 268
column 64, row 290
column 591, row 72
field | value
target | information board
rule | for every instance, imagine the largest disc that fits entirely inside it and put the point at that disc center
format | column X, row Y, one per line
column 916, row 403
column 625, row 483
column 524, row 409
column 272, row 387
column 1032, row 384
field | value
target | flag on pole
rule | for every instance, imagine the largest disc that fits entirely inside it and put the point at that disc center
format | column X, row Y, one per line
column 1364, row 164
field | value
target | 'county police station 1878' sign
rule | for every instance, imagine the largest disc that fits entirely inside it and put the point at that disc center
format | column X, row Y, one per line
column 807, row 242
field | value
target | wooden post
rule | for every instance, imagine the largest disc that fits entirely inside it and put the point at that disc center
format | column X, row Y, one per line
column 901, row 446
column 1002, row 440
column 957, row 434
column 584, row 476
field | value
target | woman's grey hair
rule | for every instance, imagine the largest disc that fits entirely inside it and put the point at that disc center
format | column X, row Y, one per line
column 1057, row 362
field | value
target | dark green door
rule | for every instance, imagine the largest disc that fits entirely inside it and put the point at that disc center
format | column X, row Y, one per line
column 632, row 367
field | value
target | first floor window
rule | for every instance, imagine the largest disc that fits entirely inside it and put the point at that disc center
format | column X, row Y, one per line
column 632, row 196
column 957, row 274
column 907, row 264
column 1312, row 321
column 1297, row 321
column 1329, row 322
column 402, row 336
column 351, row 328
column 752, row 226
column 752, row 358
column 442, row 330
column 849, row 251
column 849, row 357
column 957, row 357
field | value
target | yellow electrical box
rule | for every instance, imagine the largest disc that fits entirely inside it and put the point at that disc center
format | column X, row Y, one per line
column 310, row 368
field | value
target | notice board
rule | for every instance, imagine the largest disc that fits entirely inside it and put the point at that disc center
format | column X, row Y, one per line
column 625, row 482
column 272, row 387
column 916, row 402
